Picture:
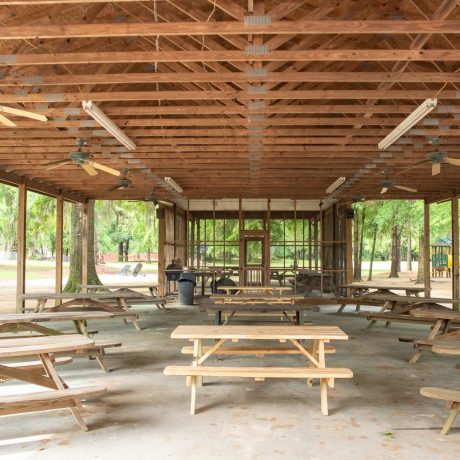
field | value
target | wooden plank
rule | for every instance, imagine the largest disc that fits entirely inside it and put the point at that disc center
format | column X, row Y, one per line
column 259, row 372
column 152, row 29
column 426, row 248
column 321, row 55
column 259, row 332
column 44, row 344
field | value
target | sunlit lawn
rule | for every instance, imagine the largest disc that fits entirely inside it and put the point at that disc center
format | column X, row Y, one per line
column 43, row 269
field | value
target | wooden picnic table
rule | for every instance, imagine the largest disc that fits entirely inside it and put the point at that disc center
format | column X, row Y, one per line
column 316, row 354
column 27, row 322
column 361, row 294
column 98, row 302
column 44, row 374
column 399, row 307
column 442, row 319
column 256, row 299
column 135, row 297
column 268, row 290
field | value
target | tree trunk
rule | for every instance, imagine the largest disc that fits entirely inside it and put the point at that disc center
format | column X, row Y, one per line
column 75, row 269
column 394, row 252
column 421, row 257
column 126, row 250
column 409, row 254
column 149, row 254
column 398, row 251
column 371, row 264
column 356, row 272
column 120, row 251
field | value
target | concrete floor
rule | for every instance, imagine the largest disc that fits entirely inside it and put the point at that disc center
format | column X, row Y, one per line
column 379, row 414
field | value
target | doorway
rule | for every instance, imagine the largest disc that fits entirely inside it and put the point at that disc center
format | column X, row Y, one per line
column 253, row 258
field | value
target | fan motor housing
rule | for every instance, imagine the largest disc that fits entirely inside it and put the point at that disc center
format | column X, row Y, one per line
column 79, row 157
column 436, row 157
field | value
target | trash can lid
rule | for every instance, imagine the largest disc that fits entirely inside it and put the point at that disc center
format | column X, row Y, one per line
column 188, row 277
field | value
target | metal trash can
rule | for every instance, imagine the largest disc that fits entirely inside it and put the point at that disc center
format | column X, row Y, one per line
column 187, row 283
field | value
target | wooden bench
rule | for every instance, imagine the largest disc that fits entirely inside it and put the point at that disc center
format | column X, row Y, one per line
column 452, row 398
column 49, row 400
column 60, row 395
column 315, row 354
column 257, row 351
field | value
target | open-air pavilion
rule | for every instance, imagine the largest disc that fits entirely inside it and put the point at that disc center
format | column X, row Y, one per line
column 254, row 126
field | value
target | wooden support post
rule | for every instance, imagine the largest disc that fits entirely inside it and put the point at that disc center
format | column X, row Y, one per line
column 21, row 251
column 455, row 253
column 349, row 250
column 315, row 248
column 59, row 240
column 84, row 245
column 426, row 248
column 267, row 244
column 161, row 251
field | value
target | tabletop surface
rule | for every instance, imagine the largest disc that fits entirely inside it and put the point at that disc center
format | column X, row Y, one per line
column 255, row 288
column 117, row 286
column 43, row 344
column 54, row 316
column 248, row 295
column 258, row 332
column 408, row 299
column 386, row 287
column 77, row 295
column 436, row 314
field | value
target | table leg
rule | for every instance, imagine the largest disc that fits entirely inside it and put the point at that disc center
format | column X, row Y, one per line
column 218, row 318
column 193, row 380
column 297, row 317
column 60, row 384
column 440, row 323
column 323, row 382
column 203, row 285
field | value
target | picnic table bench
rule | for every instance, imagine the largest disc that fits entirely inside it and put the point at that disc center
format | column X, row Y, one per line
column 27, row 322
column 268, row 290
column 316, row 354
column 43, row 374
column 256, row 299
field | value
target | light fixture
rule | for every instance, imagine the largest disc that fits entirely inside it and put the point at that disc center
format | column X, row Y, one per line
column 335, row 185
column 407, row 124
column 170, row 181
column 95, row 112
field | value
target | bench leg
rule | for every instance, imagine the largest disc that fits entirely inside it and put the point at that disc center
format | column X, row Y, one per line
column 371, row 324
column 450, row 420
column 136, row 325
column 323, row 386
column 434, row 332
column 341, row 308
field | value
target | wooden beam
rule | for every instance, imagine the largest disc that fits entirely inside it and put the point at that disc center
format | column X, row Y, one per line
column 128, row 57
column 59, row 241
column 455, row 253
column 224, row 95
column 84, row 244
column 21, row 247
column 152, row 29
column 349, row 248
column 426, row 249
column 161, row 251
column 231, row 77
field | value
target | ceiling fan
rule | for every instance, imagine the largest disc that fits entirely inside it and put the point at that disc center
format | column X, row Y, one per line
column 435, row 158
column 19, row 113
column 82, row 159
column 123, row 182
column 387, row 183
column 153, row 199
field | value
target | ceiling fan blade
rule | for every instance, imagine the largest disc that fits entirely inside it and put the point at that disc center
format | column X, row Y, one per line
column 23, row 113
column 7, row 122
column 415, row 165
column 166, row 203
column 435, row 169
column 57, row 164
column 384, row 190
column 89, row 169
column 113, row 189
column 106, row 169
column 407, row 189
column 452, row 161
